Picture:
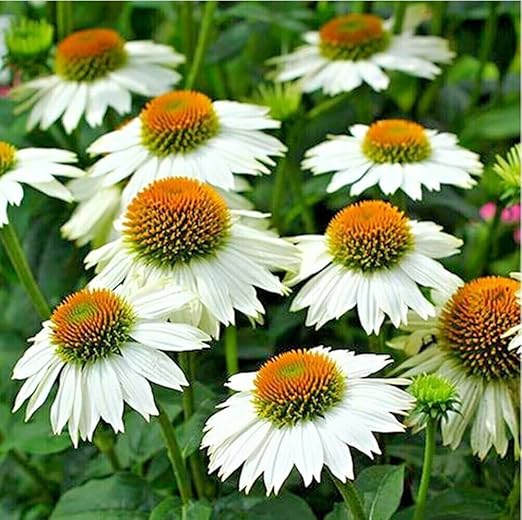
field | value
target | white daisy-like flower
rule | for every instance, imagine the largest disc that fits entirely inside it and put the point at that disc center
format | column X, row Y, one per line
column 181, row 231
column 354, row 49
column 515, row 332
column 472, row 352
column 184, row 133
column 303, row 408
column 36, row 167
column 395, row 154
column 106, row 347
column 372, row 257
column 95, row 69
column 98, row 207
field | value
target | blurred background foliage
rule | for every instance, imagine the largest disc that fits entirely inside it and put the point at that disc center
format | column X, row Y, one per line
column 477, row 98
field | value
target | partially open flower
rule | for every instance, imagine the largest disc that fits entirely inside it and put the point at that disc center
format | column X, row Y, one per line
column 303, row 409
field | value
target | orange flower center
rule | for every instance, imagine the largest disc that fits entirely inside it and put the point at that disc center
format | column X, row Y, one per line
column 369, row 236
column 7, row 156
column 175, row 220
column 178, row 122
column 396, row 141
column 90, row 324
column 472, row 324
column 90, row 54
column 353, row 37
column 296, row 386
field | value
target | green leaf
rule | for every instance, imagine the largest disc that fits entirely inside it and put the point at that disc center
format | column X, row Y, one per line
column 502, row 122
column 381, row 489
column 121, row 497
column 283, row 507
column 141, row 440
column 171, row 508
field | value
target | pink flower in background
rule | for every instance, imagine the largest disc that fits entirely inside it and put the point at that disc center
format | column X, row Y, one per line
column 487, row 212
column 511, row 214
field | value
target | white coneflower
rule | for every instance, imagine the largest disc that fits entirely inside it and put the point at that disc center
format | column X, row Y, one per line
column 36, row 167
column 95, row 69
column 472, row 351
column 355, row 48
column 303, row 409
column 185, row 133
column 395, row 154
column 374, row 258
column 105, row 347
column 182, row 231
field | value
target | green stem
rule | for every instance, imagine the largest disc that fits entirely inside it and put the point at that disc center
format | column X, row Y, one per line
column 33, row 472
column 174, row 453
column 187, row 29
column 64, row 18
column 398, row 16
column 513, row 500
column 485, row 51
column 104, row 441
column 231, row 355
column 21, row 266
column 429, row 451
column 294, row 176
column 203, row 36
column 439, row 15
column 351, row 498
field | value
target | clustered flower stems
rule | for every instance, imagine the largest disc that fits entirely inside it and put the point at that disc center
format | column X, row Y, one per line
column 21, row 266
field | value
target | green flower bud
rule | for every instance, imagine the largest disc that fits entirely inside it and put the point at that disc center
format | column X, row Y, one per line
column 508, row 170
column 28, row 42
column 283, row 99
column 435, row 398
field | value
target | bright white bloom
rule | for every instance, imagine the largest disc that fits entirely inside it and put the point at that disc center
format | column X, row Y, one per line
column 182, row 231
column 303, row 408
column 105, row 346
column 515, row 332
column 36, row 167
column 93, row 219
column 394, row 154
column 96, row 69
column 471, row 351
column 353, row 49
column 372, row 257
column 184, row 133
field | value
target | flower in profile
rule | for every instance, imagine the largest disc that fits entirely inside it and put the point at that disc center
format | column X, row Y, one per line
column 36, row 167
column 435, row 397
column 182, row 231
column 472, row 352
column 395, row 154
column 95, row 69
column 353, row 49
column 185, row 133
column 105, row 346
column 98, row 207
column 372, row 257
column 303, row 408
column 283, row 99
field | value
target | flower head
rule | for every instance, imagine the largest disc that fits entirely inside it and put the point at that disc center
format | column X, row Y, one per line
column 105, row 346
column 95, row 69
column 183, row 231
column 508, row 169
column 186, row 133
column 355, row 48
column 283, row 99
column 372, row 256
column 472, row 351
column 303, row 408
column 395, row 154
column 36, row 167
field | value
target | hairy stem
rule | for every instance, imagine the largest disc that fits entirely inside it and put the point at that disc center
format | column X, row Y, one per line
column 351, row 498
column 429, row 451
